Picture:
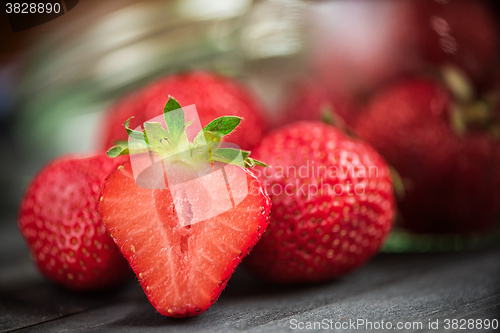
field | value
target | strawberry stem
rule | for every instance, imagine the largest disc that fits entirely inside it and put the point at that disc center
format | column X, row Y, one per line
column 173, row 140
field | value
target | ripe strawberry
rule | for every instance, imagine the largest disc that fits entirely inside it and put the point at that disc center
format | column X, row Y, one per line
column 463, row 33
column 213, row 95
column 332, row 201
column 60, row 222
column 448, row 170
column 182, row 266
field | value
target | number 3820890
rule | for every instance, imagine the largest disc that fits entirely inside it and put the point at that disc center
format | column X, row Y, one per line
column 32, row 8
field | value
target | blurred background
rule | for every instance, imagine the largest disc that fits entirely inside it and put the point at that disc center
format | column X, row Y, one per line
column 57, row 79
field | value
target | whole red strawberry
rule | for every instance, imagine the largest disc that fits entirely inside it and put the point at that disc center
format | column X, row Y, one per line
column 214, row 96
column 64, row 231
column 159, row 217
column 333, row 204
column 436, row 142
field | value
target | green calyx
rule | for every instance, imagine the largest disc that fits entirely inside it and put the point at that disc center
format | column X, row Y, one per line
column 467, row 111
column 155, row 139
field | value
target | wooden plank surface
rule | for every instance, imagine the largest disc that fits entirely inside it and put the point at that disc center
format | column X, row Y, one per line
column 394, row 288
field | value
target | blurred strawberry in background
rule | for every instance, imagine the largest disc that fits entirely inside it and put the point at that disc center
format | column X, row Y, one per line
column 439, row 134
column 432, row 134
column 354, row 51
column 459, row 32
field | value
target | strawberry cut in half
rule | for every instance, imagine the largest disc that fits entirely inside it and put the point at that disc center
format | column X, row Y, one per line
column 183, row 262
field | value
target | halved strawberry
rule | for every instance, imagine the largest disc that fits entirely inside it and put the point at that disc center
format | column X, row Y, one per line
column 183, row 264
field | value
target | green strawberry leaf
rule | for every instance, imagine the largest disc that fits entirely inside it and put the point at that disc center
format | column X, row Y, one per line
column 199, row 139
column 132, row 133
column 250, row 162
column 157, row 136
column 124, row 148
column 174, row 118
column 260, row 163
column 117, row 151
column 171, row 105
column 226, row 155
column 230, row 156
column 223, row 125
column 121, row 143
column 212, row 137
column 174, row 141
column 204, row 138
column 245, row 154
column 186, row 125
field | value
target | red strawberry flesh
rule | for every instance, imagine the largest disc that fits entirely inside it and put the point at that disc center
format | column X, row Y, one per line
column 182, row 270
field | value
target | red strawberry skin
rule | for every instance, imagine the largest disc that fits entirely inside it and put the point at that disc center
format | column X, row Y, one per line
column 59, row 220
column 213, row 95
column 319, row 236
column 182, row 270
column 448, row 178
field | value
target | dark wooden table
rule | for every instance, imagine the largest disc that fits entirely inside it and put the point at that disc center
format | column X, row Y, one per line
column 395, row 288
